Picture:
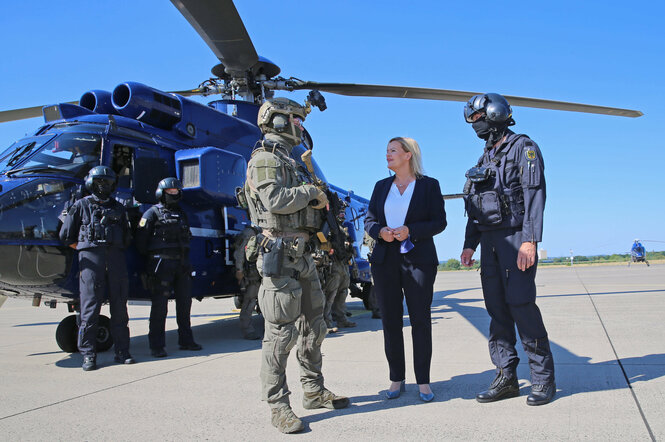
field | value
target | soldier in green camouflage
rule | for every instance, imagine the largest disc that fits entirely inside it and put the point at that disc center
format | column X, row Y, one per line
column 337, row 283
column 248, row 278
column 288, row 210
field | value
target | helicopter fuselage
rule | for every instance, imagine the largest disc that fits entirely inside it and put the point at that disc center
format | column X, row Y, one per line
column 144, row 135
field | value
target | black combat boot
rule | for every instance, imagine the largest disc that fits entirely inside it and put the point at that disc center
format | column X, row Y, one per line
column 89, row 363
column 124, row 357
column 541, row 394
column 502, row 387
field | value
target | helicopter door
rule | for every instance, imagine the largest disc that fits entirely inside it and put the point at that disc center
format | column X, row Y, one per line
column 122, row 163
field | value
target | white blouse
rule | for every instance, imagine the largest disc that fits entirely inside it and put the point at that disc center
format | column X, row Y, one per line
column 397, row 205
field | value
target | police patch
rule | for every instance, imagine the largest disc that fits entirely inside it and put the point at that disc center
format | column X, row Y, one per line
column 142, row 222
column 530, row 154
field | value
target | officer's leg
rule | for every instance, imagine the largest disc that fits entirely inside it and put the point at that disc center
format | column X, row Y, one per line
column 521, row 295
column 118, row 291
column 158, row 311
column 418, row 285
column 502, row 337
column 183, row 305
column 313, row 330
column 330, row 289
column 339, row 304
column 91, row 287
column 388, row 287
column 248, row 305
column 160, row 300
column 312, row 327
column 279, row 299
column 535, row 342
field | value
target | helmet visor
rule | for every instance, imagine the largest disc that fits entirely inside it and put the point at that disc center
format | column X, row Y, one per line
column 475, row 105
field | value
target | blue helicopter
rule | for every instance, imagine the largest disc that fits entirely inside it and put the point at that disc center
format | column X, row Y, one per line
column 144, row 135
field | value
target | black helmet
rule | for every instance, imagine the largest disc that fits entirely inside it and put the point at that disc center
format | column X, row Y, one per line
column 101, row 182
column 168, row 183
column 495, row 106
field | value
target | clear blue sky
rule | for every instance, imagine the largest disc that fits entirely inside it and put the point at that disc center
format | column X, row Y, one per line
column 605, row 174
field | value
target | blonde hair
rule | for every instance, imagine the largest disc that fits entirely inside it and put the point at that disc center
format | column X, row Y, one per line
column 416, row 161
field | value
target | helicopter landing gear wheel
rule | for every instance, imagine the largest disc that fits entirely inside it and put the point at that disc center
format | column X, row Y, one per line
column 104, row 338
column 66, row 334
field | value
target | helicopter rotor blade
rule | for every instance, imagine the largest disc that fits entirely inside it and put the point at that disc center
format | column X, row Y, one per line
column 220, row 26
column 24, row 113
column 375, row 90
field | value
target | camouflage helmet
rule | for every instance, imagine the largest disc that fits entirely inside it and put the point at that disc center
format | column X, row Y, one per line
column 275, row 116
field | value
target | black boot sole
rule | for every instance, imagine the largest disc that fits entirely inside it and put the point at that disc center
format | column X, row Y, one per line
column 506, row 395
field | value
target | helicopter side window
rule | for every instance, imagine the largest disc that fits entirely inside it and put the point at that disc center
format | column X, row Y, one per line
column 75, row 153
column 123, row 165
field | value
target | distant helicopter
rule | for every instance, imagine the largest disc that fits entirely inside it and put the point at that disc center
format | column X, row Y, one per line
column 638, row 253
column 145, row 135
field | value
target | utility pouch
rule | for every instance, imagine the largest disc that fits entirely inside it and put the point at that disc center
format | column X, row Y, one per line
column 241, row 197
column 252, row 249
column 296, row 248
column 273, row 258
column 485, row 207
column 479, row 174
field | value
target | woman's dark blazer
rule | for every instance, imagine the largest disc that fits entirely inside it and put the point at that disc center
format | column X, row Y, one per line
column 425, row 218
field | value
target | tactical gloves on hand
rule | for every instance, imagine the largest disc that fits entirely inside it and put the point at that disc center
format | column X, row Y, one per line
column 320, row 199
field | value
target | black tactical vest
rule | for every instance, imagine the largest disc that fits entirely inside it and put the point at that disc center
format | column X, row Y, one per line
column 102, row 224
column 494, row 198
column 171, row 230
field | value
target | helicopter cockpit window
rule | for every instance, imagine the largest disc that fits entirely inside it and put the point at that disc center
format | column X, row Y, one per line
column 70, row 153
column 20, row 150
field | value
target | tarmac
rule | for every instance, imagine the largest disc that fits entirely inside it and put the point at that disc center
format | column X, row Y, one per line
column 606, row 326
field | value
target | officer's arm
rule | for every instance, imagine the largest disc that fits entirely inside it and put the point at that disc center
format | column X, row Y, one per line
column 145, row 230
column 126, row 228
column 436, row 218
column 69, row 232
column 472, row 235
column 267, row 179
column 533, row 185
column 239, row 252
column 372, row 225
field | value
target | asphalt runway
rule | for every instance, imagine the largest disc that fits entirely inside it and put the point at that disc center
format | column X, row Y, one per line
column 606, row 326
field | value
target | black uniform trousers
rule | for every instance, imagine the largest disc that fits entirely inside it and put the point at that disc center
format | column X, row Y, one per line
column 394, row 280
column 170, row 275
column 510, row 299
column 103, row 271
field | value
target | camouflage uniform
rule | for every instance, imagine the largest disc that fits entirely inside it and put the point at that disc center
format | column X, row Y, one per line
column 279, row 203
column 337, row 286
column 250, row 282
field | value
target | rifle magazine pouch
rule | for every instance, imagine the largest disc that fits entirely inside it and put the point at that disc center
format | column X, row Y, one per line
column 485, row 207
column 273, row 259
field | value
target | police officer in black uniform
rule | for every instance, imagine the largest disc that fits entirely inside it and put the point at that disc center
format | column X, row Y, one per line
column 505, row 200
column 164, row 235
column 97, row 226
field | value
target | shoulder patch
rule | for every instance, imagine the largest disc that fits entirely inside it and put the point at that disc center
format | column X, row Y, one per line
column 530, row 154
column 142, row 222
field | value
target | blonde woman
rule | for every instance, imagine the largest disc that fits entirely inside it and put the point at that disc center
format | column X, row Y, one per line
column 405, row 212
